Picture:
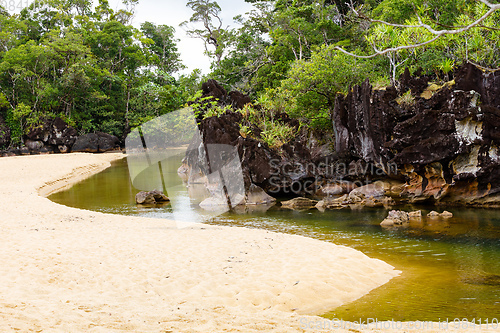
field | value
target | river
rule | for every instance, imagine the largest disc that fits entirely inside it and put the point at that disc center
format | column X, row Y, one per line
column 451, row 267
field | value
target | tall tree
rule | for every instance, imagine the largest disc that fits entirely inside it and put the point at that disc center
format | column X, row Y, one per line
column 207, row 12
column 163, row 46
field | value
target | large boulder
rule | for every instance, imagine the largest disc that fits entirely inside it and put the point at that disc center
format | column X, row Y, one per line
column 144, row 198
column 151, row 197
column 371, row 190
column 96, row 143
column 53, row 132
column 395, row 218
column 34, row 145
column 257, row 196
column 88, row 143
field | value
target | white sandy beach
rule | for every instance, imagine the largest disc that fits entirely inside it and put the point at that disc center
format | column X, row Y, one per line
column 69, row 270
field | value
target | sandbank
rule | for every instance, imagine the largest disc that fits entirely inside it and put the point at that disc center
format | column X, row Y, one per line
column 68, row 270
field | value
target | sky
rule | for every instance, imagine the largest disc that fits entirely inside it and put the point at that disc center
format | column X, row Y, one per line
column 172, row 13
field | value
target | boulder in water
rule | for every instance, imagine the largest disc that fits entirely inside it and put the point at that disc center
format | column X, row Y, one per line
column 150, row 198
column 395, row 217
column 299, row 203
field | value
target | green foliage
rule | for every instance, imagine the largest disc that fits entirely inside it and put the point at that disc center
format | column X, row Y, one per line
column 406, row 99
column 312, row 85
column 4, row 103
column 200, row 104
column 245, row 130
column 26, row 117
column 207, row 13
column 163, row 46
column 216, row 111
column 479, row 45
column 87, row 65
column 91, row 67
column 275, row 133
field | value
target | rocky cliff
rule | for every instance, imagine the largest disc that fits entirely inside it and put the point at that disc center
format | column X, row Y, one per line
column 444, row 140
column 419, row 142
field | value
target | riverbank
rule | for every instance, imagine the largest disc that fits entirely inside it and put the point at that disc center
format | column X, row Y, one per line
column 73, row 270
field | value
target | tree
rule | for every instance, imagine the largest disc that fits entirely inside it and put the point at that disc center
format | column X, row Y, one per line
column 312, row 85
column 430, row 31
column 163, row 46
column 246, row 53
column 207, row 13
column 296, row 29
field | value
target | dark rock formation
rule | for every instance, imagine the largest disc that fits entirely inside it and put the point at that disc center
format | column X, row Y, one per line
column 96, row 143
column 238, row 100
column 212, row 88
column 213, row 91
column 88, row 143
column 34, row 145
column 277, row 172
column 431, row 143
column 54, row 133
column 56, row 136
column 445, row 144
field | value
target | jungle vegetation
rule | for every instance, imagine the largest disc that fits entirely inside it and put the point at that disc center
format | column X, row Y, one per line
column 89, row 65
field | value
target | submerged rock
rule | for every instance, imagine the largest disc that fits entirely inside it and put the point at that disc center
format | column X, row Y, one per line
column 218, row 203
column 299, row 203
column 415, row 214
column 150, row 198
column 433, row 214
column 395, row 217
column 446, row 214
column 484, row 279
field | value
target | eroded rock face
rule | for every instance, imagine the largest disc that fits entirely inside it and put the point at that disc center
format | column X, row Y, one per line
column 445, row 145
column 261, row 166
column 55, row 133
column 438, row 144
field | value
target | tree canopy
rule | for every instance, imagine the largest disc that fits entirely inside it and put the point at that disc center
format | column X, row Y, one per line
column 88, row 65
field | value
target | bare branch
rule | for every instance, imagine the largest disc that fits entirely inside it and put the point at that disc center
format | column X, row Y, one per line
column 437, row 33
column 392, row 49
column 486, row 69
